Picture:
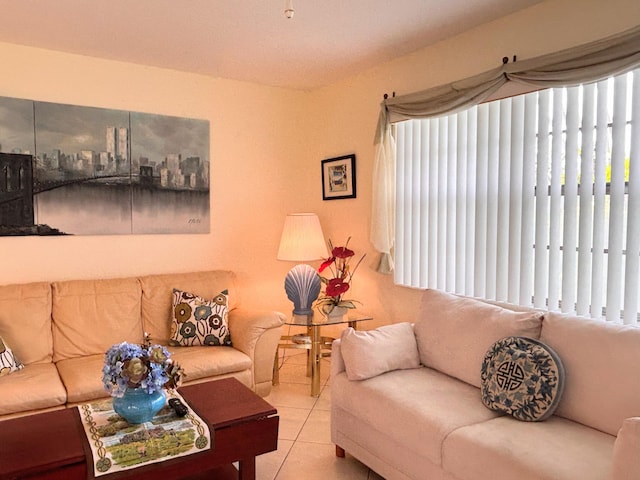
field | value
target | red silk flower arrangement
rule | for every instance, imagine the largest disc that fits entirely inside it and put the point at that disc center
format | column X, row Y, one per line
column 339, row 284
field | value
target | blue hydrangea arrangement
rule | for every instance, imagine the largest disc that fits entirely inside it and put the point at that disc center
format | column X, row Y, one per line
column 146, row 366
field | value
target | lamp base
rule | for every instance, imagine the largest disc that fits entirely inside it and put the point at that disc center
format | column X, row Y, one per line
column 303, row 319
column 302, row 285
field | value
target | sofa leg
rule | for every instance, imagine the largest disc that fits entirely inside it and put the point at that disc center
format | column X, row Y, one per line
column 340, row 451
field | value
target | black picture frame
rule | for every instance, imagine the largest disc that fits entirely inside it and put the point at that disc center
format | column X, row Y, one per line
column 339, row 177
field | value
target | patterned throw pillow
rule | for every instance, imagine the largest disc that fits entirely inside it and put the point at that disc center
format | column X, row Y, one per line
column 522, row 377
column 196, row 321
column 8, row 362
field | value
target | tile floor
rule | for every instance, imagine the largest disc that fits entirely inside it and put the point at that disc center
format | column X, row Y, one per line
column 305, row 451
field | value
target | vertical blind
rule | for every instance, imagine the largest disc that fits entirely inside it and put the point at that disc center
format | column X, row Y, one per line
column 533, row 200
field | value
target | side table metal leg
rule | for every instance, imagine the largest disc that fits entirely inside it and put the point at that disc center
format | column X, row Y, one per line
column 275, row 380
column 309, row 353
column 315, row 361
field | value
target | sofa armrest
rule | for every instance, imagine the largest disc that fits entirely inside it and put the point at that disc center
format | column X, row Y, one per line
column 337, row 361
column 626, row 456
column 257, row 333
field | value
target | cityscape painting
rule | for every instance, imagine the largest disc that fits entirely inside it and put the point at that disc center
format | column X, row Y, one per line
column 73, row 170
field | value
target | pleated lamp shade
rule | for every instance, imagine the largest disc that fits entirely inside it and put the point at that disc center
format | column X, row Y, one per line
column 302, row 238
column 302, row 241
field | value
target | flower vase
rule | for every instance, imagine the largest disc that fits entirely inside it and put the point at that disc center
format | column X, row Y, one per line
column 138, row 406
column 337, row 313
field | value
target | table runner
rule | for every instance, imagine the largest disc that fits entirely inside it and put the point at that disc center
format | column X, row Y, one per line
column 116, row 445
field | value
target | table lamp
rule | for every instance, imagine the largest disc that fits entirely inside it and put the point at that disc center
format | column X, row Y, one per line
column 302, row 241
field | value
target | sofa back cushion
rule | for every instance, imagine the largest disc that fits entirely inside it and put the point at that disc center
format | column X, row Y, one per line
column 454, row 333
column 25, row 321
column 157, row 296
column 91, row 315
column 602, row 366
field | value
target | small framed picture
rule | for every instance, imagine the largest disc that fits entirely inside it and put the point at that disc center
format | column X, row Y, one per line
column 339, row 177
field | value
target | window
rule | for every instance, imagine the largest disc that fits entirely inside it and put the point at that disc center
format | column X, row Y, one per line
column 533, row 200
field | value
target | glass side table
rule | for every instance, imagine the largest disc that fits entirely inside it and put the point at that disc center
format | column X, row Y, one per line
column 316, row 345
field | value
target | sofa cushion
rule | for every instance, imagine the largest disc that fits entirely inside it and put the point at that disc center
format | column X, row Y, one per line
column 602, row 362
column 626, row 461
column 370, row 353
column 25, row 321
column 91, row 315
column 202, row 362
column 8, row 361
column 449, row 325
column 197, row 321
column 35, row 387
column 523, row 378
column 417, row 408
column 157, row 296
column 82, row 377
column 504, row 448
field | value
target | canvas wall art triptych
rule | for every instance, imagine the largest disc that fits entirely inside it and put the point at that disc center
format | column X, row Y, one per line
column 67, row 169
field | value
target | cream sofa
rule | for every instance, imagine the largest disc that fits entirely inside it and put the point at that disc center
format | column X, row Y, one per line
column 413, row 407
column 60, row 331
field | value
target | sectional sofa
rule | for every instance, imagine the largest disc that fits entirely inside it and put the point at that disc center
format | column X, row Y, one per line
column 408, row 399
column 60, row 332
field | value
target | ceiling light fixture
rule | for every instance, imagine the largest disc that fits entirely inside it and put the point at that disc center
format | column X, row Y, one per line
column 288, row 9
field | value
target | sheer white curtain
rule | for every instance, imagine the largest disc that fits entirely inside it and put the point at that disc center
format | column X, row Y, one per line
column 594, row 61
column 383, row 196
column 533, row 200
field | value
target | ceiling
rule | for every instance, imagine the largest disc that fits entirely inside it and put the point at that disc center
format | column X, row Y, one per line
column 249, row 40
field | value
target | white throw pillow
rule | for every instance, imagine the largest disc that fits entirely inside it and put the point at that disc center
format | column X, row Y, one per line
column 370, row 353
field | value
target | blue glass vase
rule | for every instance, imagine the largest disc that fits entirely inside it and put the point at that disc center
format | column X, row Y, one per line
column 138, row 406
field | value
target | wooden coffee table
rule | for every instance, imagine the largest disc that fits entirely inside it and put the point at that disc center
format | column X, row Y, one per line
column 52, row 445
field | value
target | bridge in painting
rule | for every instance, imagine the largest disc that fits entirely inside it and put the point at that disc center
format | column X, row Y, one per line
column 39, row 187
column 17, row 188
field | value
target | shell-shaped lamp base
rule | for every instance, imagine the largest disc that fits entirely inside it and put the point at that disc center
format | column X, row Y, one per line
column 302, row 285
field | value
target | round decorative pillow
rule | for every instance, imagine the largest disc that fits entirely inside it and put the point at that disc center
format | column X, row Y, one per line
column 522, row 377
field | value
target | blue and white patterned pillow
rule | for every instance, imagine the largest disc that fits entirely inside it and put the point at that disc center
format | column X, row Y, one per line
column 522, row 377
column 196, row 321
column 8, row 361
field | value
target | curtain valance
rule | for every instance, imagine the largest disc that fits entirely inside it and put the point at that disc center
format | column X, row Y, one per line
column 583, row 64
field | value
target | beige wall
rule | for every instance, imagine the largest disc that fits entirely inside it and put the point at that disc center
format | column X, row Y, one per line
column 266, row 147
